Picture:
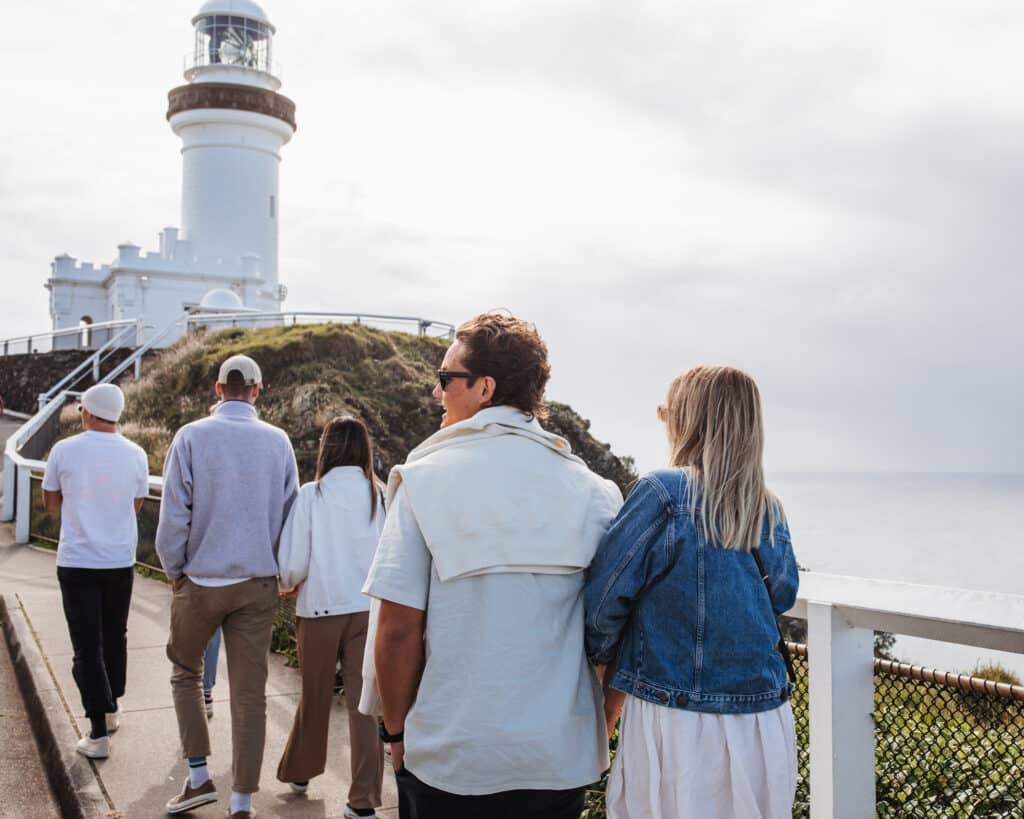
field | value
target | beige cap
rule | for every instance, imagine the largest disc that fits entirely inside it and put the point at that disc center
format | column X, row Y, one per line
column 105, row 401
column 249, row 369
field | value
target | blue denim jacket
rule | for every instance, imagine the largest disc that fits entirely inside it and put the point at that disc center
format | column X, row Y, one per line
column 688, row 621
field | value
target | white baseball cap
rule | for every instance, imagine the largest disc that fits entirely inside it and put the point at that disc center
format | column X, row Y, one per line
column 248, row 368
column 105, row 401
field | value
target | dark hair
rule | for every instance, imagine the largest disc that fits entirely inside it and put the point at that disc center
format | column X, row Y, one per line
column 235, row 387
column 511, row 352
column 345, row 441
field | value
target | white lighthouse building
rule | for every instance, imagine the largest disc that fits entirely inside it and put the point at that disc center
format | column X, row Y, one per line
column 232, row 123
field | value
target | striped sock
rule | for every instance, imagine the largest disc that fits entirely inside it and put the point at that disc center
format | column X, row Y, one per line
column 197, row 771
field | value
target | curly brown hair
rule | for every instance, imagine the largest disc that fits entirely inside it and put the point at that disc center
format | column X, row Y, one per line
column 511, row 352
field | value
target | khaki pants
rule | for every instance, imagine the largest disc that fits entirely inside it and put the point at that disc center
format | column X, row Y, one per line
column 245, row 612
column 321, row 641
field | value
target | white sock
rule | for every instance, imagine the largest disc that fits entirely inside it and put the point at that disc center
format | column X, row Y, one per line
column 197, row 775
column 240, row 801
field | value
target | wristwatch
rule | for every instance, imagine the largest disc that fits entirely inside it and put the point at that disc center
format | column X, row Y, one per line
column 387, row 738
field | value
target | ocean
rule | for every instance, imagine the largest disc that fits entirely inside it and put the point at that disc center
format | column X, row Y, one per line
column 942, row 529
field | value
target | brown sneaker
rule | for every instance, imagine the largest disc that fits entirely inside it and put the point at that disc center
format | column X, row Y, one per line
column 191, row 797
column 242, row 814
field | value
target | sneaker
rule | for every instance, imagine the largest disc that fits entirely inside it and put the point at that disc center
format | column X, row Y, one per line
column 242, row 814
column 191, row 797
column 299, row 787
column 94, row 748
column 208, row 702
column 358, row 813
column 114, row 720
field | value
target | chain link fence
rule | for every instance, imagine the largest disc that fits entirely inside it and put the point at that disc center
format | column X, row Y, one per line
column 946, row 745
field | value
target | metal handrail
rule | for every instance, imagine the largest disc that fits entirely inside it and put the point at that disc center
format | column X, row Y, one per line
column 69, row 331
column 92, row 361
column 192, row 61
column 18, row 469
column 947, row 679
column 423, row 325
column 135, row 359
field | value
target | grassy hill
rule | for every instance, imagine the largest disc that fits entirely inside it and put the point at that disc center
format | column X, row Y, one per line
column 312, row 373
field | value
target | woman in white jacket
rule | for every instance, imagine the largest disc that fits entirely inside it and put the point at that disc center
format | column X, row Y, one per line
column 326, row 548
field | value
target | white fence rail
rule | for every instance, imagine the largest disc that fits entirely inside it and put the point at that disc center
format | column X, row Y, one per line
column 86, row 337
column 424, row 327
column 842, row 615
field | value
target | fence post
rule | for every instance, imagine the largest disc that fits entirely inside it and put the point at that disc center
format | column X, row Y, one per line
column 23, row 499
column 842, row 728
column 7, row 508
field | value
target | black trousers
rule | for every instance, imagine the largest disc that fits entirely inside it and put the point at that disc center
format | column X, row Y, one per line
column 96, row 603
column 418, row 800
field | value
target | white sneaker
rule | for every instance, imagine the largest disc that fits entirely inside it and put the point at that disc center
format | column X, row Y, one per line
column 298, row 787
column 94, row 748
column 114, row 721
column 350, row 813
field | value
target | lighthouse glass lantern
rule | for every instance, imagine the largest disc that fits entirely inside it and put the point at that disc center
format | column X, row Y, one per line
column 228, row 39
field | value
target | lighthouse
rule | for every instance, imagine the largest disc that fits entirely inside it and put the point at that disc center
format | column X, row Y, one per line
column 233, row 122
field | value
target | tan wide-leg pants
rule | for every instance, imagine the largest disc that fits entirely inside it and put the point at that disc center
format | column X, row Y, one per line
column 245, row 612
column 321, row 641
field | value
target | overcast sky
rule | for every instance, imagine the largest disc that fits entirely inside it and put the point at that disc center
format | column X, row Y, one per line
column 826, row 194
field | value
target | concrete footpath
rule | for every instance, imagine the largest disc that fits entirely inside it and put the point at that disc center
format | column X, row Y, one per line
column 23, row 782
column 145, row 767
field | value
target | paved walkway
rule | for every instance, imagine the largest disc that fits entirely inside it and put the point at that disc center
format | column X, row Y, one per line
column 23, row 783
column 145, row 767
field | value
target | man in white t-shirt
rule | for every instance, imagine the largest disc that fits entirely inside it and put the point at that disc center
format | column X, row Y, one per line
column 97, row 480
column 486, row 695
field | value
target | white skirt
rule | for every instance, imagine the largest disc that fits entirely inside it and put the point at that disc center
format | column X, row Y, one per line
column 674, row 764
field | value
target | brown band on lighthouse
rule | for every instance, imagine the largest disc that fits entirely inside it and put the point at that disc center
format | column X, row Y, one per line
column 232, row 98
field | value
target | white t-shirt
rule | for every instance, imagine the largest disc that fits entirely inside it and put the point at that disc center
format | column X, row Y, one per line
column 507, row 699
column 99, row 474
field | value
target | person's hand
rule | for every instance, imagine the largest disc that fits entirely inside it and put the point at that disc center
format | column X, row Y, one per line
column 397, row 756
column 286, row 593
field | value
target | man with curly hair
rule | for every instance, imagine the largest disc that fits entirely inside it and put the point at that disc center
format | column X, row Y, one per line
column 485, row 693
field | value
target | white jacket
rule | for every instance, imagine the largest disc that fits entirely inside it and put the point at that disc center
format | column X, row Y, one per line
column 328, row 543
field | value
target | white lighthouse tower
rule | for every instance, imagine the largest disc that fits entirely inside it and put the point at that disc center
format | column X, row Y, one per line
column 232, row 123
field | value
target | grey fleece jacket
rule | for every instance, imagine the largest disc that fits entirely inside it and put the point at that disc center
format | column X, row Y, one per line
column 229, row 481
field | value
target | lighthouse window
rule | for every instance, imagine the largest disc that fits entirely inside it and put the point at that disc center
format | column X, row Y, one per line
column 223, row 39
column 272, row 211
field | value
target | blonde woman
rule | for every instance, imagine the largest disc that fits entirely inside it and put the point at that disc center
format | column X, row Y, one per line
column 678, row 609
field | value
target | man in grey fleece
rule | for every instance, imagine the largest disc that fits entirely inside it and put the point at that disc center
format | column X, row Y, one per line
column 229, row 481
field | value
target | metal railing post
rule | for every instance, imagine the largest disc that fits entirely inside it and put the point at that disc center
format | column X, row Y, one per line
column 23, row 502
column 10, row 482
column 841, row 715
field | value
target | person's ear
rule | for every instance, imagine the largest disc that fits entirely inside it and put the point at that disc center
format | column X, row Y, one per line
column 219, row 389
column 255, row 391
column 489, row 386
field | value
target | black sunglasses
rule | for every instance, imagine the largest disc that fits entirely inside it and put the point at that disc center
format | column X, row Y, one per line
column 444, row 377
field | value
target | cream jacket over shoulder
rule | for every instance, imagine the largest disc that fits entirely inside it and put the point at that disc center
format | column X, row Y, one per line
column 491, row 523
column 328, row 543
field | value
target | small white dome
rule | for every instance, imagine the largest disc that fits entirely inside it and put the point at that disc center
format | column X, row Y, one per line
column 237, row 8
column 221, row 299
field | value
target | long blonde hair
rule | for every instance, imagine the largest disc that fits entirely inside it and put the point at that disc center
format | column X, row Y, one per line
column 716, row 434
